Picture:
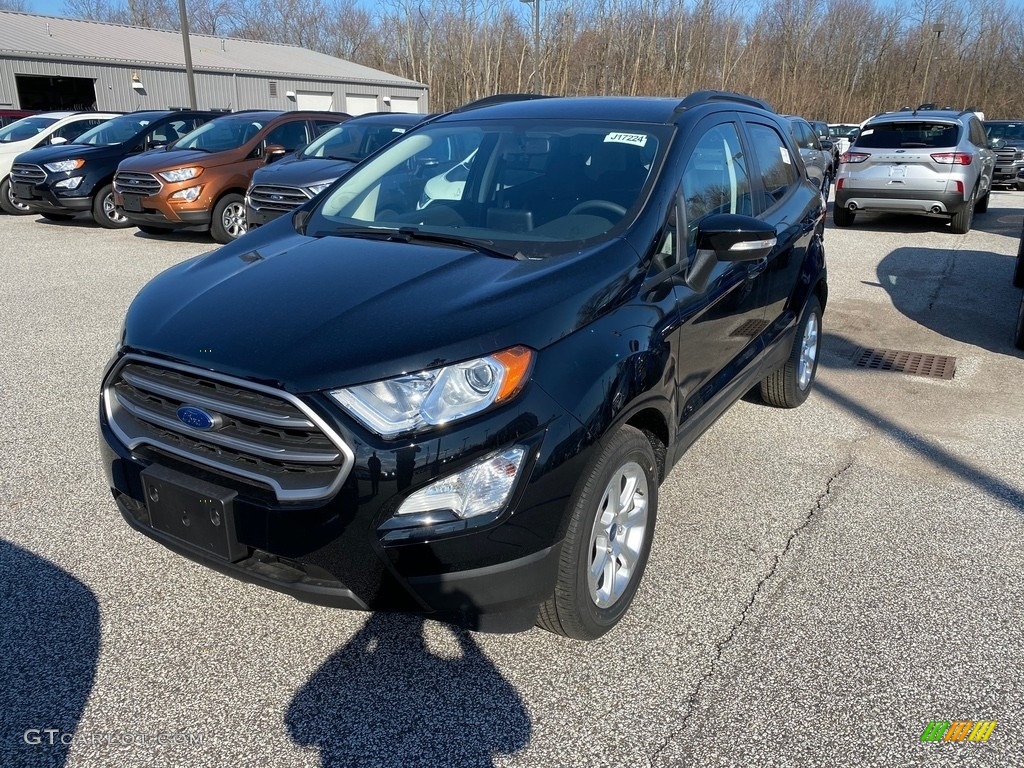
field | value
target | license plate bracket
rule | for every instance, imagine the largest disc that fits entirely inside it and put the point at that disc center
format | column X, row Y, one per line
column 193, row 511
column 22, row 189
column 131, row 203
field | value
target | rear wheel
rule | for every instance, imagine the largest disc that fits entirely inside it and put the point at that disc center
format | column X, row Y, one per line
column 103, row 211
column 608, row 541
column 789, row 385
column 228, row 218
column 9, row 202
column 842, row 217
column 960, row 224
column 982, row 205
column 1018, row 336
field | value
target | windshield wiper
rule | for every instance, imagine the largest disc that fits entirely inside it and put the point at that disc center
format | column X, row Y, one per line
column 410, row 234
column 346, row 158
column 484, row 246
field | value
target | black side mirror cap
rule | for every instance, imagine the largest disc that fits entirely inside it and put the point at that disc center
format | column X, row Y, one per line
column 734, row 237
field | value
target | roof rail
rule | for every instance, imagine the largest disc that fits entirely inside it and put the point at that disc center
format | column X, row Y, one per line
column 702, row 97
column 500, row 98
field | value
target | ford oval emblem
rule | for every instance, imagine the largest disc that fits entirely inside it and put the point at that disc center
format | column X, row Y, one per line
column 197, row 418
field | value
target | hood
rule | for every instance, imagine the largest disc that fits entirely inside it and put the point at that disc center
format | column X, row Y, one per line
column 315, row 313
column 54, row 153
column 162, row 159
column 296, row 171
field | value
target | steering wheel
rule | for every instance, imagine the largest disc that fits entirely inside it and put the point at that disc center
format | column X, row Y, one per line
column 599, row 205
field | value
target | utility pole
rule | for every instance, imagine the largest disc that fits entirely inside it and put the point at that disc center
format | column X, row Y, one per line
column 189, row 74
column 536, row 39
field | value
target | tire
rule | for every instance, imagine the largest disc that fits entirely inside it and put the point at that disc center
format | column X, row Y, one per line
column 58, row 216
column 151, row 230
column 228, row 221
column 1020, row 186
column 585, row 607
column 103, row 211
column 789, row 385
column 1018, row 265
column 842, row 217
column 9, row 203
column 960, row 223
column 982, row 205
column 1018, row 336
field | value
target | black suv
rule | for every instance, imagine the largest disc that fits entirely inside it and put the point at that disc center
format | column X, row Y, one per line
column 462, row 403
column 60, row 181
column 288, row 183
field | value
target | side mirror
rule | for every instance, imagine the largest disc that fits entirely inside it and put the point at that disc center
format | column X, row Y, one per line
column 727, row 237
column 273, row 152
column 299, row 219
column 827, row 145
column 55, row 140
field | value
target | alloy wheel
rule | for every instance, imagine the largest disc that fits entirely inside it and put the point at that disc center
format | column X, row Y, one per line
column 617, row 537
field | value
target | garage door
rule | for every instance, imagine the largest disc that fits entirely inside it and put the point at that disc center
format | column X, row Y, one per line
column 314, row 100
column 404, row 104
column 360, row 105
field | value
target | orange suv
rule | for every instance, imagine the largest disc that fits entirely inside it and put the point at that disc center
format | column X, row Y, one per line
column 200, row 180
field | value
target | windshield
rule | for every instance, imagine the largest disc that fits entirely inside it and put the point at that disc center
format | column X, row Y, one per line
column 843, row 131
column 1004, row 133
column 220, row 134
column 917, row 134
column 25, row 128
column 353, row 141
column 115, row 131
column 536, row 188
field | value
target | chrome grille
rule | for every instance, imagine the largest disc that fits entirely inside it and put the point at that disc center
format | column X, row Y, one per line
column 26, row 172
column 135, row 183
column 258, row 433
column 264, row 197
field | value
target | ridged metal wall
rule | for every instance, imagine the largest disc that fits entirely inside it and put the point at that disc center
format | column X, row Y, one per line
column 164, row 87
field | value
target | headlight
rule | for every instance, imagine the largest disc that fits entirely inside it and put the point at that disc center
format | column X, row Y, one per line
column 189, row 195
column 73, row 183
column 421, row 400
column 65, row 165
column 316, row 189
column 181, row 174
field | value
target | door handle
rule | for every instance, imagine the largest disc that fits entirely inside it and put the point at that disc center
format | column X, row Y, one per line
column 755, row 268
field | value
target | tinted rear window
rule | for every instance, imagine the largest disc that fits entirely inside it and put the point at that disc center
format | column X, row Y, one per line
column 909, row 135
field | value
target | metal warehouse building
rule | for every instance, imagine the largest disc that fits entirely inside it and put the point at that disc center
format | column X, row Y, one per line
column 54, row 63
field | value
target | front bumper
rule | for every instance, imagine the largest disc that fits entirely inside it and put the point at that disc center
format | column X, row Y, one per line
column 258, row 217
column 331, row 552
column 44, row 200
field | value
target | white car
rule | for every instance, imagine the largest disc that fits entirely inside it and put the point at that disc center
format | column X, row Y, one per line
column 843, row 134
column 35, row 131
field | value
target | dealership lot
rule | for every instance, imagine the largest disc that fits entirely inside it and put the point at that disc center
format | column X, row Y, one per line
column 824, row 581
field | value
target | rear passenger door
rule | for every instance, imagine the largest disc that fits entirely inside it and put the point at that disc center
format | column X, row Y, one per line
column 720, row 321
column 785, row 199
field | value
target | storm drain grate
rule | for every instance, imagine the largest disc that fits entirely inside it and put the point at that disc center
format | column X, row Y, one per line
column 912, row 363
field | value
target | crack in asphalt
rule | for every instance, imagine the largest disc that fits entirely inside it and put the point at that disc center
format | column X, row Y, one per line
column 722, row 645
column 947, row 270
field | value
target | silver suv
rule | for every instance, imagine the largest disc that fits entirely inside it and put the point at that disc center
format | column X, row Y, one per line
column 933, row 162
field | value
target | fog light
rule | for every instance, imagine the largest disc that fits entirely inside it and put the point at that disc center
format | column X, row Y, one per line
column 188, row 195
column 474, row 495
column 73, row 183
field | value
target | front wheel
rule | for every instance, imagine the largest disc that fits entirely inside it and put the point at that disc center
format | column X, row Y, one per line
column 9, row 202
column 103, row 211
column 608, row 541
column 789, row 385
column 228, row 218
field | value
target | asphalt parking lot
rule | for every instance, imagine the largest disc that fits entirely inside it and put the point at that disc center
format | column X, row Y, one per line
column 824, row 582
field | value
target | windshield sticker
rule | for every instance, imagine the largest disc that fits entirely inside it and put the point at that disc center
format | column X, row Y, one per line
column 636, row 139
column 785, row 155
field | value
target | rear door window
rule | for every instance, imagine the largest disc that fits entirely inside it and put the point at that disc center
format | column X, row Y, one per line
column 777, row 166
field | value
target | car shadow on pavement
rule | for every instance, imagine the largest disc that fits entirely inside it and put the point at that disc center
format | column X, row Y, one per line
column 390, row 698
column 839, row 352
column 49, row 642
column 967, row 296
